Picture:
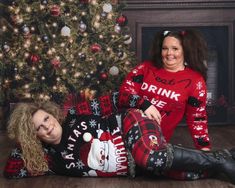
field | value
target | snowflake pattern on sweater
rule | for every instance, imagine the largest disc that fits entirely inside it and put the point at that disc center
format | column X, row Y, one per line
column 174, row 95
column 92, row 142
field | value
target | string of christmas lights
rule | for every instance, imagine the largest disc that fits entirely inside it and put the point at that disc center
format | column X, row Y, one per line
column 52, row 48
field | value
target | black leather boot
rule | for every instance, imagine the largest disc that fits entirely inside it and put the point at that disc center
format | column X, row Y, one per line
column 196, row 160
column 232, row 151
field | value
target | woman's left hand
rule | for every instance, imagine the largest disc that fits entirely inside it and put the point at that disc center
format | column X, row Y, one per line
column 205, row 149
column 152, row 113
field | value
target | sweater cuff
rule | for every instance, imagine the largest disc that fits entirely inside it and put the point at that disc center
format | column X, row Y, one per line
column 145, row 105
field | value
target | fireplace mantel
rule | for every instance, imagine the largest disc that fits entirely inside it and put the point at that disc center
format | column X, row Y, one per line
column 176, row 4
column 154, row 14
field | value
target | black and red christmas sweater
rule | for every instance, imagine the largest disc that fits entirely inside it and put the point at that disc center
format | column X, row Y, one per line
column 91, row 144
column 174, row 94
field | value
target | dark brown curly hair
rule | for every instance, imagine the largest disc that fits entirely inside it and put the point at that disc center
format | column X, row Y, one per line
column 194, row 47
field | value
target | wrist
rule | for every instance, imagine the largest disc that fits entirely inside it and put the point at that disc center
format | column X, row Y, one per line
column 145, row 105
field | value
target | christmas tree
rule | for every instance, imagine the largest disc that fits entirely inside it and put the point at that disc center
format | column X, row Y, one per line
column 51, row 48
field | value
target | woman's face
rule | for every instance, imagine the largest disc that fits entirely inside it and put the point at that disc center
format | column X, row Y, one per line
column 47, row 127
column 172, row 54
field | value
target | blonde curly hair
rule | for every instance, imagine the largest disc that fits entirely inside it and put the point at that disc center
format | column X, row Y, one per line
column 20, row 128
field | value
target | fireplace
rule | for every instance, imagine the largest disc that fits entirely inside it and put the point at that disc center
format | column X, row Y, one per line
column 216, row 20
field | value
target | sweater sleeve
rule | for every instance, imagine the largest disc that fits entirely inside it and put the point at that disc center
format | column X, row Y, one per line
column 196, row 116
column 15, row 168
column 113, row 103
column 134, row 80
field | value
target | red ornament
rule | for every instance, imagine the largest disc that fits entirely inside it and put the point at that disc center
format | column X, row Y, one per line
column 55, row 62
column 183, row 33
column 95, row 48
column 122, row 20
column 55, row 10
column 34, row 58
column 103, row 76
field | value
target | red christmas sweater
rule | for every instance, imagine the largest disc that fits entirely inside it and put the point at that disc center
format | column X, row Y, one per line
column 92, row 143
column 175, row 95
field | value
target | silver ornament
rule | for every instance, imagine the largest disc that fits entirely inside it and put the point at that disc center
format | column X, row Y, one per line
column 65, row 31
column 82, row 27
column 114, row 70
column 128, row 39
column 117, row 29
column 107, row 7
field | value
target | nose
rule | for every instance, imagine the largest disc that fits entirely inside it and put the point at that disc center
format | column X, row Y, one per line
column 103, row 157
column 45, row 126
column 169, row 51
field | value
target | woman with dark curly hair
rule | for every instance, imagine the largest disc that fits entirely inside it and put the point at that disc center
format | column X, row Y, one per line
column 174, row 81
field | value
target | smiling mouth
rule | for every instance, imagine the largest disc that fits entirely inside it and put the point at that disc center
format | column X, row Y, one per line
column 170, row 59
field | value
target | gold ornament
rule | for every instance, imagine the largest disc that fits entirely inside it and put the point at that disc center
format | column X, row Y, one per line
column 89, row 94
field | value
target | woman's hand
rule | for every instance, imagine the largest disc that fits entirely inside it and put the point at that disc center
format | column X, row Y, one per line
column 152, row 113
column 205, row 149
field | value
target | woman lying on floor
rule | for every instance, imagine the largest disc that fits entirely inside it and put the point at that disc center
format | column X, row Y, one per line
column 92, row 141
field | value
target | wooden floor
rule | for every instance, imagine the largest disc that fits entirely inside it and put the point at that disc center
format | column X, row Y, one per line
column 221, row 136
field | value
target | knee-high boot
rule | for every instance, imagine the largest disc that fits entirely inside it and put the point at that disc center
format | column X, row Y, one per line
column 222, row 161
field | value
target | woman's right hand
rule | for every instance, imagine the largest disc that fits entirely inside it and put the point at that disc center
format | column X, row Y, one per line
column 152, row 113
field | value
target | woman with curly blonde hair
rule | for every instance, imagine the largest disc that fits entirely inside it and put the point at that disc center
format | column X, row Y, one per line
column 20, row 128
column 92, row 141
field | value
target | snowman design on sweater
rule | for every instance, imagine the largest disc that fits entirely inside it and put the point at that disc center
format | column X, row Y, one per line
column 100, row 153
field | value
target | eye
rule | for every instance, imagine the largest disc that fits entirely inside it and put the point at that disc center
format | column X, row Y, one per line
column 38, row 128
column 46, row 118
